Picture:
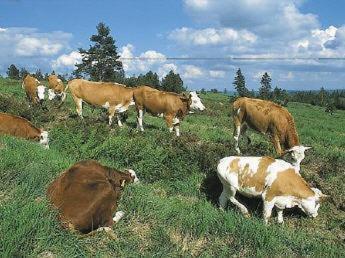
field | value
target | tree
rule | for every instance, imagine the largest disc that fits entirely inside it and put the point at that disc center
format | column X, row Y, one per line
column 39, row 75
column 149, row 79
column 240, row 84
column 172, row 82
column 265, row 89
column 13, row 72
column 322, row 96
column 23, row 73
column 101, row 62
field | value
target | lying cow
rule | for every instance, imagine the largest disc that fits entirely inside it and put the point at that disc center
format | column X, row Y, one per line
column 270, row 119
column 20, row 127
column 114, row 97
column 34, row 91
column 173, row 107
column 275, row 181
column 56, row 87
column 86, row 195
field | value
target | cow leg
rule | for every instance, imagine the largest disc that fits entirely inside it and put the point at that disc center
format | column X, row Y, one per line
column 118, row 115
column 118, row 216
column 140, row 119
column 267, row 211
column 243, row 132
column 237, row 134
column 111, row 112
column 276, row 142
column 229, row 193
column 176, row 123
column 79, row 105
column 169, row 121
column 280, row 216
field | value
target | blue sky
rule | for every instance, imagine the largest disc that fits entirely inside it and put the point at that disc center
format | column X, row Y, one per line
column 46, row 35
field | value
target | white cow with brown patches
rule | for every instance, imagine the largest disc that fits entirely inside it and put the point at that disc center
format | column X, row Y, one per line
column 114, row 97
column 277, row 182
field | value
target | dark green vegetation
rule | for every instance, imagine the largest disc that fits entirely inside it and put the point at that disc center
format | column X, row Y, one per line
column 172, row 212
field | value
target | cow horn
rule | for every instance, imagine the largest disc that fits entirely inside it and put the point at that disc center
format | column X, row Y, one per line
column 123, row 183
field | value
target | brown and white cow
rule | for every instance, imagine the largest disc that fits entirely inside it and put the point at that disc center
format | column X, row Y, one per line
column 270, row 119
column 276, row 181
column 173, row 107
column 116, row 98
column 20, row 127
column 56, row 87
column 33, row 89
column 87, row 193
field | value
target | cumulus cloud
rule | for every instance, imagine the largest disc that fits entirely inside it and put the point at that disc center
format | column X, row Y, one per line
column 217, row 74
column 211, row 36
column 191, row 71
column 165, row 69
column 30, row 48
column 143, row 63
column 67, row 61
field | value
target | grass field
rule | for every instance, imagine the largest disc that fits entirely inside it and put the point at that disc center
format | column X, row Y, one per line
column 173, row 211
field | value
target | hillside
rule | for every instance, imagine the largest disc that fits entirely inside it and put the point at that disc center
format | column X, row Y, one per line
column 173, row 211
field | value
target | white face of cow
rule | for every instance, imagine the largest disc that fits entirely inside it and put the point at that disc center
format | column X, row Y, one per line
column 51, row 94
column 134, row 175
column 297, row 152
column 196, row 102
column 44, row 140
column 311, row 205
column 40, row 92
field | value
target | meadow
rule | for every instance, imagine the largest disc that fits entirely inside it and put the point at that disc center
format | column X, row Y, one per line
column 173, row 211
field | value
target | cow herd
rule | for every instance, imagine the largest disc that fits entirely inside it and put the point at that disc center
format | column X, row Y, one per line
column 86, row 194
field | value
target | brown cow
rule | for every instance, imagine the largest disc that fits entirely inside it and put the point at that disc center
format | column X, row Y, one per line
column 20, row 127
column 56, row 87
column 267, row 118
column 34, row 91
column 116, row 98
column 86, row 195
column 172, row 106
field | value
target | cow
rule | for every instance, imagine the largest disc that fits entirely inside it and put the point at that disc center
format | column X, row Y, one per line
column 114, row 97
column 173, row 107
column 270, row 119
column 34, row 90
column 86, row 195
column 275, row 181
column 20, row 127
column 56, row 87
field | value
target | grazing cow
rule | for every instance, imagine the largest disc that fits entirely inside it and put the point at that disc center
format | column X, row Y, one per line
column 86, row 195
column 116, row 98
column 34, row 91
column 277, row 182
column 171, row 106
column 267, row 118
column 20, row 127
column 56, row 87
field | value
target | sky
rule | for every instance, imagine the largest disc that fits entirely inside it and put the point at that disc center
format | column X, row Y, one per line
column 300, row 43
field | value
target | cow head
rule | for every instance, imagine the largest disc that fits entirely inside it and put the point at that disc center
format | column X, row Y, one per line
column 297, row 152
column 51, row 94
column 133, row 175
column 40, row 92
column 311, row 205
column 196, row 101
column 44, row 139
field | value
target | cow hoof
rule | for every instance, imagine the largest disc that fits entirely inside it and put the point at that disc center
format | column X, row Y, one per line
column 246, row 215
column 105, row 229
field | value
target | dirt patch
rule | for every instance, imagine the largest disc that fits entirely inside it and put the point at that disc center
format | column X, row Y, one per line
column 187, row 243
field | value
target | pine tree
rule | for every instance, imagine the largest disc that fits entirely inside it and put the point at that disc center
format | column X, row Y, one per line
column 101, row 62
column 172, row 82
column 265, row 89
column 322, row 96
column 39, row 75
column 13, row 72
column 240, row 84
column 23, row 73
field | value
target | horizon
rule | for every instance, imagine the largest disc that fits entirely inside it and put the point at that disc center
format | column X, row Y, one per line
column 288, row 38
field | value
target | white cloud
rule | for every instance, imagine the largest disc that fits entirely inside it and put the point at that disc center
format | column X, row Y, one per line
column 211, row 36
column 217, row 74
column 67, row 60
column 191, row 71
column 286, row 76
column 258, row 75
column 165, row 69
column 30, row 46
